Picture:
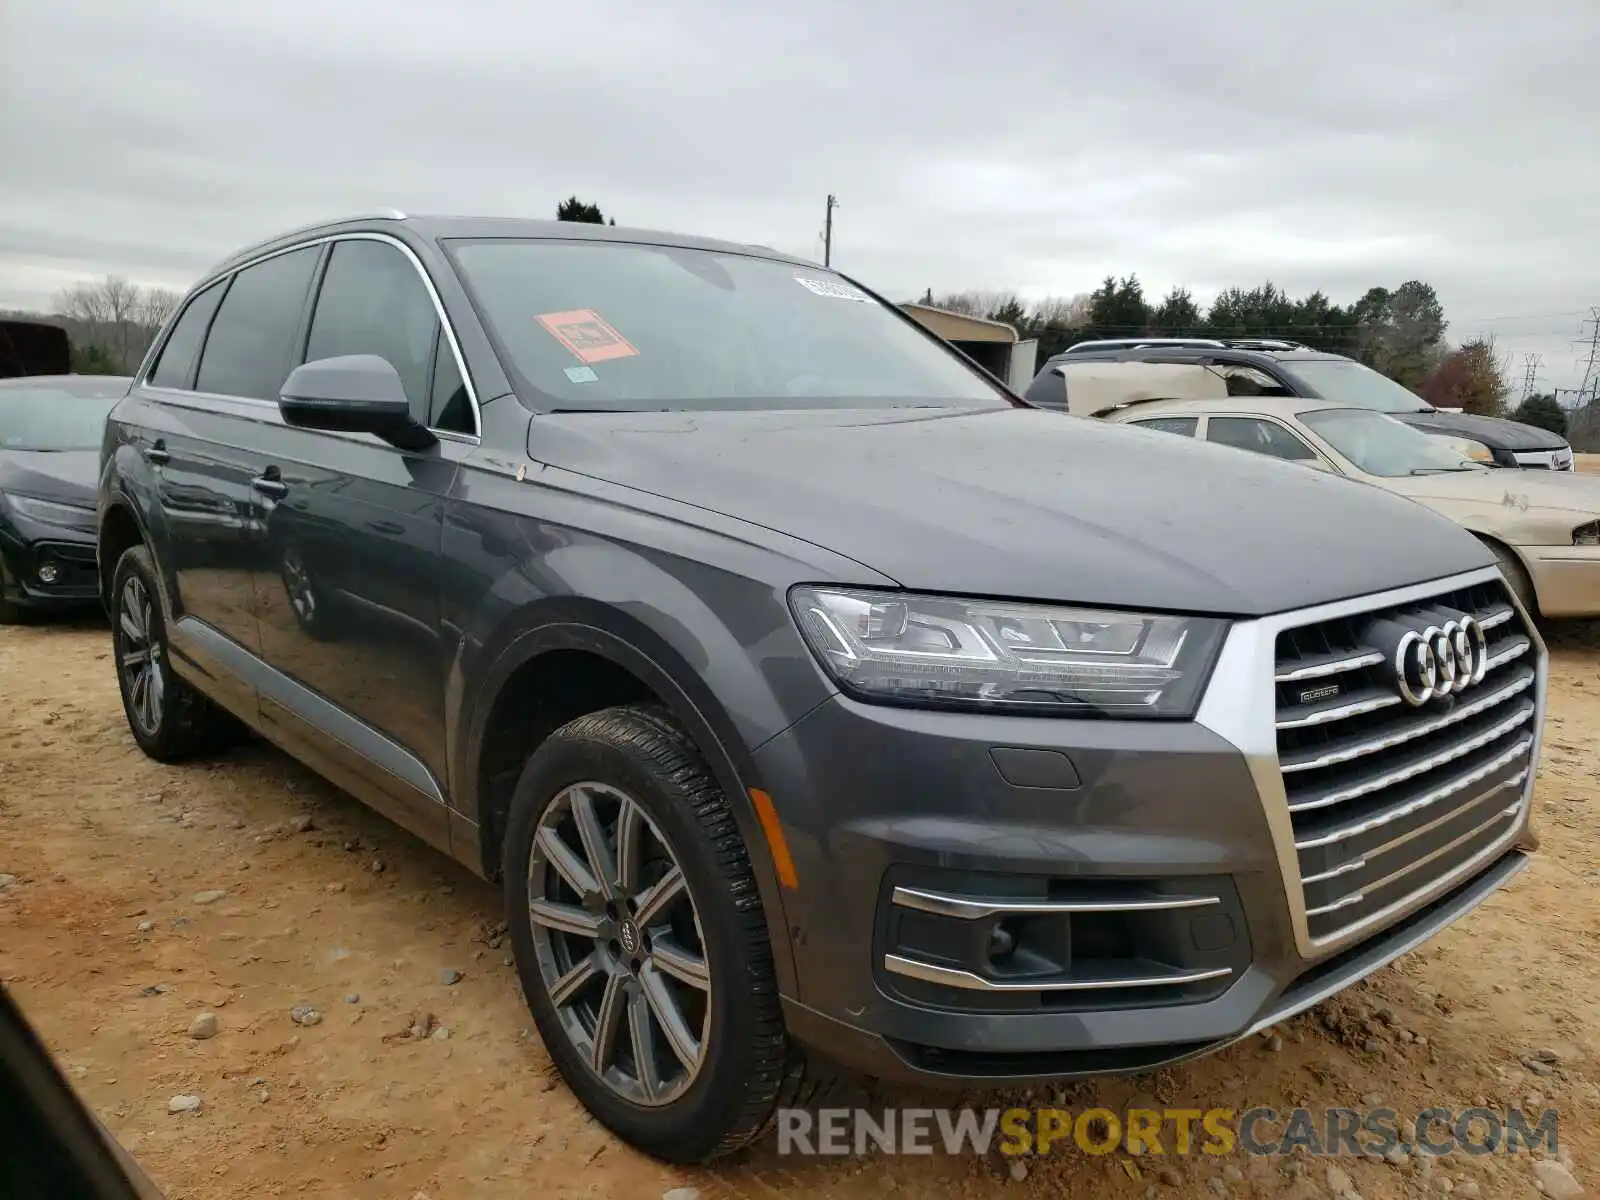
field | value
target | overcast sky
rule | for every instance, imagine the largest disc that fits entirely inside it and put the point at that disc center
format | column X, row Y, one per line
column 1034, row 146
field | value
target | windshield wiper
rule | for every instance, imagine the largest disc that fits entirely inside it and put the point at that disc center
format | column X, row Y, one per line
column 1440, row 470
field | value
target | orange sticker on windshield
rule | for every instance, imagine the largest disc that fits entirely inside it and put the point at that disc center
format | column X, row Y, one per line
column 584, row 333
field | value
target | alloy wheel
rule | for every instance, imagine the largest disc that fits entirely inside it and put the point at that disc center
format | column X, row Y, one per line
column 619, row 944
column 139, row 656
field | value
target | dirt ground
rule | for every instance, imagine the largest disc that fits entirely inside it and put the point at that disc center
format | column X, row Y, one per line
column 110, row 941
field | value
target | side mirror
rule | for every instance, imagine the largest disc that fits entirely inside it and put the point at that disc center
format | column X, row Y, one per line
column 354, row 393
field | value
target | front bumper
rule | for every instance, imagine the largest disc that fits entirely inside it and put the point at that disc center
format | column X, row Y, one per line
column 48, row 568
column 1139, row 879
column 1544, row 460
column 1566, row 579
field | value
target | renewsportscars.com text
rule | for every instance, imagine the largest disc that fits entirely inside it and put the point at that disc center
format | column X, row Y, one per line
column 1180, row 1131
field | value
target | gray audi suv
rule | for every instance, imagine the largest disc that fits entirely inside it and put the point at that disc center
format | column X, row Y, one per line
column 811, row 697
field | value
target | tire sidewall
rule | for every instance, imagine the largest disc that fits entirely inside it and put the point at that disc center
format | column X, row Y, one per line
column 689, row 1127
column 136, row 561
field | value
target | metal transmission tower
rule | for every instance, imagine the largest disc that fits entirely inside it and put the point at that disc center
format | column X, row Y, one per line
column 1590, row 386
column 1530, row 372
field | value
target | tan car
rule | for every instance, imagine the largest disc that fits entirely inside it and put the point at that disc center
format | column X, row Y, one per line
column 1545, row 527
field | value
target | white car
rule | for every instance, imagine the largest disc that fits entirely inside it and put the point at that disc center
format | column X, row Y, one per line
column 1543, row 525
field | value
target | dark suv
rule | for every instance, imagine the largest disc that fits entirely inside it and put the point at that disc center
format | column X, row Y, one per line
column 804, row 690
column 1260, row 367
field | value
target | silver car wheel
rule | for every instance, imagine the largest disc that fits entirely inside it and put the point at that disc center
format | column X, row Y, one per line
column 619, row 944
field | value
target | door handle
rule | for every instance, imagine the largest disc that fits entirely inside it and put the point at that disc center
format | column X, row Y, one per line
column 270, row 485
column 158, row 453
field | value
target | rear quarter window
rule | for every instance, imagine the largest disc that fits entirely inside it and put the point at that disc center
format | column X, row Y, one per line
column 175, row 367
column 250, row 347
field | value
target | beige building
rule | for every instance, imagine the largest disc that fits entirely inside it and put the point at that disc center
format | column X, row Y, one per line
column 993, row 345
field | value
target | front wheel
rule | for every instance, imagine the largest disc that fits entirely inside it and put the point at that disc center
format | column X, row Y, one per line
column 639, row 938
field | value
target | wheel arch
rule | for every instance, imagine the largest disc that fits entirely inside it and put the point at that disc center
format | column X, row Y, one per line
column 120, row 529
column 617, row 659
column 1503, row 551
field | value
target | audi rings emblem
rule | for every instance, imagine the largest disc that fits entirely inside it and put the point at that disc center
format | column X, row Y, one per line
column 1441, row 660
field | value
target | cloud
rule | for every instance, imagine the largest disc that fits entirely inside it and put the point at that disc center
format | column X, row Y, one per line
column 1035, row 146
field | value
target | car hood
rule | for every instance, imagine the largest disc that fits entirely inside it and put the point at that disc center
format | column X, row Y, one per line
column 1027, row 504
column 1515, row 492
column 1494, row 432
column 67, row 476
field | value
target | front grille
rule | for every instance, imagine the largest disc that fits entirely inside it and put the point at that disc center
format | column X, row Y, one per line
column 1388, row 798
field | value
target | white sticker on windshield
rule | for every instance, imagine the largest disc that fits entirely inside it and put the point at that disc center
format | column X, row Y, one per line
column 833, row 289
column 581, row 374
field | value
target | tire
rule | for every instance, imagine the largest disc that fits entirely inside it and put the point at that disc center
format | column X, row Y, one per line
column 599, row 764
column 168, row 718
column 1516, row 576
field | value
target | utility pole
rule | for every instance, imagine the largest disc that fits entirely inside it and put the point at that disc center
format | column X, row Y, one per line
column 827, row 231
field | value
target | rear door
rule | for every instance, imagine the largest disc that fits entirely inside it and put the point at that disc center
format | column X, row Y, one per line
column 1262, row 436
column 207, row 396
column 350, row 608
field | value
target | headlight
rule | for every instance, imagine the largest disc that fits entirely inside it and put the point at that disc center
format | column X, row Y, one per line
column 51, row 512
column 941, row 651
column 1587, row 535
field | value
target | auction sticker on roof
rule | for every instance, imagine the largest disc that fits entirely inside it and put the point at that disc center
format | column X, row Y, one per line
column 586, row 334
column 834, row 289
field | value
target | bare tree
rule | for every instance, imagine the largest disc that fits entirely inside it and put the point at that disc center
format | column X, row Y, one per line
column 1065, row 312
column 157, row 305
column 118, row 317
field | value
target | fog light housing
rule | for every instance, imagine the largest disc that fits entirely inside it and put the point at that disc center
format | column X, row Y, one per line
column 48, row 572
column 1001, row 943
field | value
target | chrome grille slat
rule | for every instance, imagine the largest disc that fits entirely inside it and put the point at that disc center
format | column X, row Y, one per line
column 1429, row 798
column 1456, row 715
column 1341, row 712
column 1321, row 669
column 1415, row 864
column 1367, row 856
column 1380, row 781
column 1498, row 617
column 1514, row 651
column 1419, row 767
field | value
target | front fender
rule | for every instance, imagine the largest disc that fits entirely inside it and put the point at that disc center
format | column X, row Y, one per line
column 627, row 642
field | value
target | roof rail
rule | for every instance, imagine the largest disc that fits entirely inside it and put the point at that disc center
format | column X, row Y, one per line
column 1140, row 343
column 1251, row 343
column 1182, row 343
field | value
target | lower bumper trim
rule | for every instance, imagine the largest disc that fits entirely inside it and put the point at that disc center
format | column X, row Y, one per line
column 952, row 977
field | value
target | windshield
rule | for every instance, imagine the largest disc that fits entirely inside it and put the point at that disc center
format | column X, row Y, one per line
column 1382, row 446
column 53, row 418
column 1346, row 382
column 598, row 326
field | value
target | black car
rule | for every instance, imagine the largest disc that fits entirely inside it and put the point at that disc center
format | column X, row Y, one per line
column 1256, row 366
column 810, row 696
column 50, row 428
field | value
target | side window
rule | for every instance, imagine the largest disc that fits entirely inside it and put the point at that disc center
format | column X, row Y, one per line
column 373, row 302
column 449, row 407
column 175, row 367
column 1264, row 437
column 1183, row 426
column 249, row 350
